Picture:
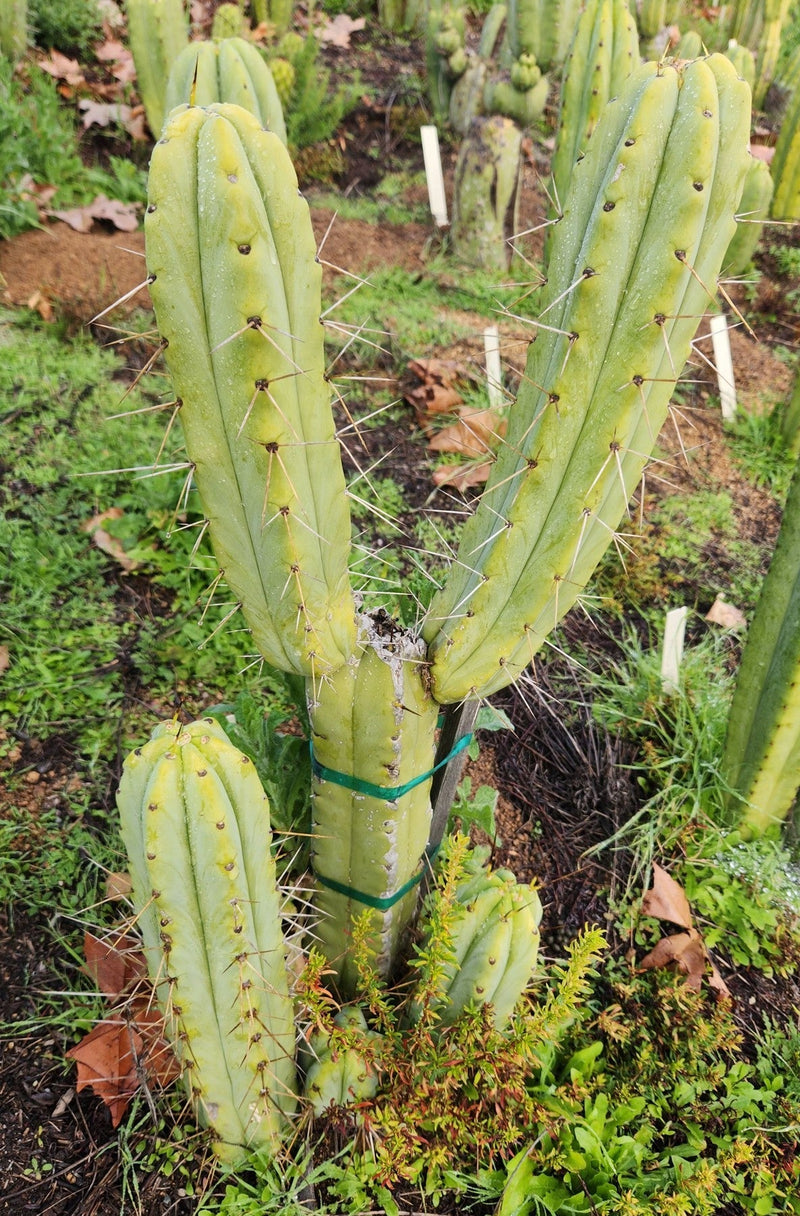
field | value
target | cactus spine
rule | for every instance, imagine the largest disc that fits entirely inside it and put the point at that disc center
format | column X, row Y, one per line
column 373, row 721
column 226, row 70
column 158, row 30
column 753, row 211
column 761, row 761
column 646, row 224
column 196, row 826
column 602, row 56
column 249, row 373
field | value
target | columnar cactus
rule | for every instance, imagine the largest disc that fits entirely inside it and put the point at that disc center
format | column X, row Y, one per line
column 196, row 826
column 373, row 735
column 776, row 13
column 646, row 224
column 786, row 163
column 542, row 28
column 486, row 192
column 226, row 70
column 753, row 212
column 743, row 60
column 158, row 30
column 249, row 373
column 342, row 1070
column 761, row 761
column 603, row 54
column 277, row 13
column 13, row 29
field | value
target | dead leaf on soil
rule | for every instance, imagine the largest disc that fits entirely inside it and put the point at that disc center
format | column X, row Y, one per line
column 473, row 435
column 119, row 57
column 337, row 32
column 687, row 952
column 115, row 963
column 5, row 659
column 103, row 539
column 118, row 885
column 462, row 476
column 122, row 215
column 726, row 615
column 60, row 67
column 666, row 900
column 102, row 114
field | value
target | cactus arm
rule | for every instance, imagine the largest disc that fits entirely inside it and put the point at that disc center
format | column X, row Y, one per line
column 579, row 408
column 374, row 721
column 761, row 760
column 522, row 955
column 229, row 240
column 482, row 967
column 158, row 30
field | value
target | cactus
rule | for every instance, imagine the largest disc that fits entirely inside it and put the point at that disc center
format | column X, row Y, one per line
column 689, row 47
column 776, row 13
column 785, row 165
column 401, row 15
column 249, row 372
column 13, row 29
column 542, row 28
column 486, row 192
column 790, row 423
column 226, row 70
column 646, row 224
column 229, row 22
column 158, row 30
column 743, row 60
column 277, row 13
column 602, row 56
column 373, row 721
column 196, row 826
column 495, row 944
column 284, row 75
column 761, row 761
column 342, row 1071
column 753, row 211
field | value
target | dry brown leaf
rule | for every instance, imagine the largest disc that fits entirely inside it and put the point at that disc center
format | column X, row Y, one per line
column 103, row 539
column 5, row 659
column 61, row 68
column 666, row 900
column 462, row 476
column 431, row 399
column 107, row 1059
column 726, row 615
column 473, row 434
column 118, row 885
column 115, row 963
column 686, row 951
column 337, row 32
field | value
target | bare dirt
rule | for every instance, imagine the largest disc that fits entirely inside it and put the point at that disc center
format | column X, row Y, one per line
column 560, row 783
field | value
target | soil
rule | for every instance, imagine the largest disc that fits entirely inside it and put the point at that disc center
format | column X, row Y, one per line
column 563, row 785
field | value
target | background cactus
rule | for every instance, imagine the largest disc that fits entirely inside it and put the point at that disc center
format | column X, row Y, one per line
column 754, row 209
column 196, row 827
column 761, row 761
column 785, row 165
column 542, row 28
column 486, row 192
column 226, row 70
column 158, row 30
column 342, row 1070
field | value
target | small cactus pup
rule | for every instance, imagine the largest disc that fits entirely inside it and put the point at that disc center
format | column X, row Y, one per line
column 236, row 287
column 343, row 1068
column 649, row 215
column 13, row 29
column 373, row 726
column 602, row 56
column 229, row 22
column 226, row 70
column 761, row 760
column 494, row 945
column 196, row 826
column 158, row 30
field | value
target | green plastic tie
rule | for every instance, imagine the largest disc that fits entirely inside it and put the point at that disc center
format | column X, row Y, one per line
column 388, row 793
column 381, row 903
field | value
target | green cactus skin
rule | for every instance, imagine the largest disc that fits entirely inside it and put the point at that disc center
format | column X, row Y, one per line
column 776, row 13
column 13, row 29
column 542, row 28
column 158, row 30
column 689, row 47
column 603, row 54
column 495, row 947
column 486, row 192
column 785, row 165
column 229, row 240
column 743, row 60
column 467, row 95
column 656, row 194
column 652, row 18
column 523, row 105
column 229, row 22
column 284, row 75
column 373, row 720
column 196, row 826
column 277, row 13
column 754, row 210
column 761, row 761
column 747, row 21
column 790, row 423
column 227, row 70
column 342, row 1072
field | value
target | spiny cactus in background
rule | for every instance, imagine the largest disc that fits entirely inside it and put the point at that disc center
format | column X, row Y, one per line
column 785, row 165
column 646, row 224
column 13, row 29
column 543, row 29
column 761, row 761
column 226, row 70
column 402, row 15
column 342, row 1069
column 373, row 719
column 494, row 947
column 158, row 30
column 277, row 13
column 753, row 211
column 690, row 46
column 196, row 826
column 229, row 22
column 603, row 54
column 284, row 76
column 248, row 366
column 653, row 17
column 743, row 60
column 445, row 55
column 776, row 13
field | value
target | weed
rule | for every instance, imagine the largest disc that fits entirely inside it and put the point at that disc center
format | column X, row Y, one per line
column 69, row 26
column 760, row 449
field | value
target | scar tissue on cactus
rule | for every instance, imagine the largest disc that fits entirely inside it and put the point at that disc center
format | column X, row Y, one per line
column 196, row 826
column 226, row 70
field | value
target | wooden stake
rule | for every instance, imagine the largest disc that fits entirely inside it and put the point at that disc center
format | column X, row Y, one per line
column 433, row 172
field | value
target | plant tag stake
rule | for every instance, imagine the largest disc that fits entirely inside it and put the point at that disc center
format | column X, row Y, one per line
column 433, row 172
column 494, row 373
column 721, row 341
column 672, row 653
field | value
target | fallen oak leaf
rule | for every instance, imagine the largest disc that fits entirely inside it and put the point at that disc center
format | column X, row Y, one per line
column 107, row 1060
column 61, row 68
column 115, row 963
column 337, row 32
column 666, row 900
